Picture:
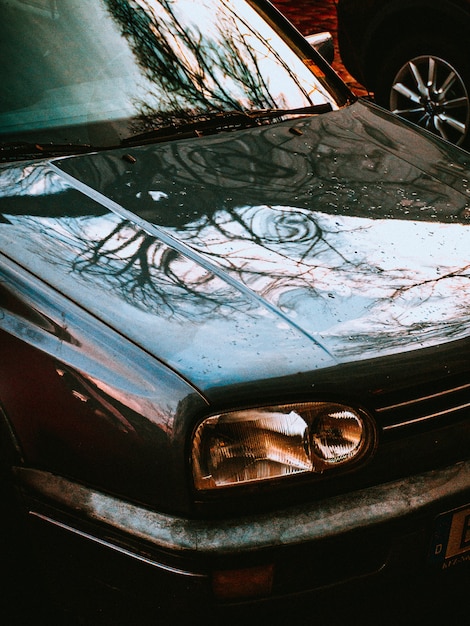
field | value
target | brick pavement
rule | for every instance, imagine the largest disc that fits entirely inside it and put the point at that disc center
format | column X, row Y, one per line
column 313, row 16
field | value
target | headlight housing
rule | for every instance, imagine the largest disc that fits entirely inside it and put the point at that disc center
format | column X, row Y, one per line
column 240, row 447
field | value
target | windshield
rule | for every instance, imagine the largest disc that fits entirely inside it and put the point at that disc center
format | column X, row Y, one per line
column 96, row 71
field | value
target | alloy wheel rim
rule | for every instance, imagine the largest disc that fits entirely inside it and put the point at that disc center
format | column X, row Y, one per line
column 431, row 93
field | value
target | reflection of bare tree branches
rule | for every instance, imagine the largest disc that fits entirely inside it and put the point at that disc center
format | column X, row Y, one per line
column 462, row 272
column 147, row 272
column 271, row 250
column 194, row 73
column 176, row 75
column 37, row 180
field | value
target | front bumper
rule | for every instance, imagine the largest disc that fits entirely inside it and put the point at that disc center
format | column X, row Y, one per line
column 105, row 547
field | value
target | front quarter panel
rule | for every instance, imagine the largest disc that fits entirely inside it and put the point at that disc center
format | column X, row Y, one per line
column 85, row 403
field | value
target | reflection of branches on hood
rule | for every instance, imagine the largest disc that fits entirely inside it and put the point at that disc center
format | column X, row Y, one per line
column 149, row 273
column 295, row 235
column 432, row 283
column 271, row 250
column 30, row 180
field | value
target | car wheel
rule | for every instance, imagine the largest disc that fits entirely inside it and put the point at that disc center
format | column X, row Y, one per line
column 429, row 85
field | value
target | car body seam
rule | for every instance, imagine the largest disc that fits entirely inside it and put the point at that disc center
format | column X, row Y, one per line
column 184, row 249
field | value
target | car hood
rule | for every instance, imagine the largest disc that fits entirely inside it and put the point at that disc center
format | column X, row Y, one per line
column 258, row 253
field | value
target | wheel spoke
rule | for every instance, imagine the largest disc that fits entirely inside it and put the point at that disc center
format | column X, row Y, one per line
column 439, row 126
column 456, row 103
column 413, row 111
column 425, row 120
column 405, row 91
column 447, row 84
column 432, row 75
column 452, row 122
column 420, row 84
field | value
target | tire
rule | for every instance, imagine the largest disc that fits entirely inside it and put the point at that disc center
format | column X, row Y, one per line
column 426, row 80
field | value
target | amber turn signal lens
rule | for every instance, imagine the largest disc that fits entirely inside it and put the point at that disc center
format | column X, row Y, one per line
column 248, row 582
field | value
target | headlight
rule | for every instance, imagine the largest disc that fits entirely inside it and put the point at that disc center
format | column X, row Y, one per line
column 258, row 444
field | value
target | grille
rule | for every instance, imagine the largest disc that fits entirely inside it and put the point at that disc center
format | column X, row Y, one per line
column 437, row 405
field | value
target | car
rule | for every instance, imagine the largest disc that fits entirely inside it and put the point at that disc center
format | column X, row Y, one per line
column 412, row 57
column 234, row 323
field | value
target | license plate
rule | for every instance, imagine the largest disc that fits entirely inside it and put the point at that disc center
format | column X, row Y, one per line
column 451, row 540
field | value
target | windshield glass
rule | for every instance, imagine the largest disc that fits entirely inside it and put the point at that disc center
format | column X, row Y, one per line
column 95, row 71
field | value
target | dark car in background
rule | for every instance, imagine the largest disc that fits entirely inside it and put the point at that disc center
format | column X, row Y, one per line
column 234, row 321
column 413, row 56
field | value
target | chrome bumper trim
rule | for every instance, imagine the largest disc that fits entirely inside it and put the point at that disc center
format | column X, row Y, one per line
column 115, row 547
column 285, row 527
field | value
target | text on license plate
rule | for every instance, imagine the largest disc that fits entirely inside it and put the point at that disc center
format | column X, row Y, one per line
column 451, row 540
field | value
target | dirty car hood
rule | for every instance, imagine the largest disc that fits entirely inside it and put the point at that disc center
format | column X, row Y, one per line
column 259, row 253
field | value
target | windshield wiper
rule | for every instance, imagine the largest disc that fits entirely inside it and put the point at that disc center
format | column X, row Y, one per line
column 29, row 150
column 220, row 121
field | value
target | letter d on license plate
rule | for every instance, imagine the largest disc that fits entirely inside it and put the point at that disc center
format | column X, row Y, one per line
column 451, row 540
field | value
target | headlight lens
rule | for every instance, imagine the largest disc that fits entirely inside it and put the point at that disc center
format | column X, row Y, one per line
column 258, row 444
